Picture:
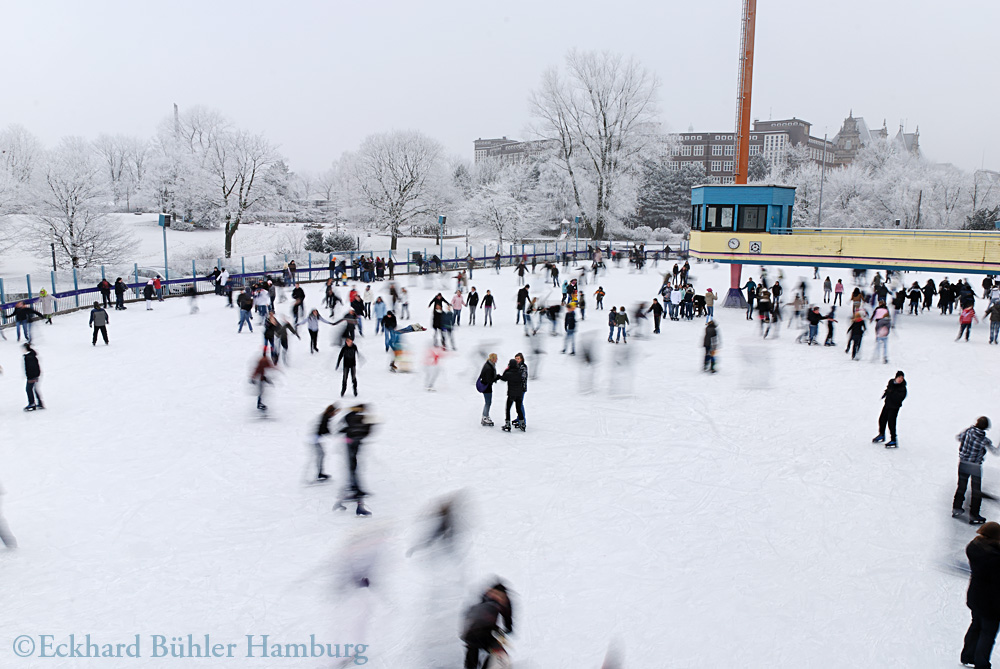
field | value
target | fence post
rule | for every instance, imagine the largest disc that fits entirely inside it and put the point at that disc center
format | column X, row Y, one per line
column 135, row 273
column 53, row 283
column 194, row 275
column 243, row 265
column 102, row 275
column 265, row 263
column 309, row 263
column 28, row 277
column 3, row 300
column 76, row 288
column 218, row 264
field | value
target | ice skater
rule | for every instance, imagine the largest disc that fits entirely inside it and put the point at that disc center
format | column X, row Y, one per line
column 482, row 629
column 322, row 430
column 983, row 597
column 259, row 378
column 356, row 427
column 99, row 319
column 484, row 384
column 973, row 444
column 349, row 356
column 895, row 393
column 516, row 378
column 32, row 372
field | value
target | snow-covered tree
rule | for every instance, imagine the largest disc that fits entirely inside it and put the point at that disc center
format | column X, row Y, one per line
column 125, row 161
column 665, row 194
column 19, row 156
column 503, row 197
column 396, row 178
column 70, row 209
column 600, row 117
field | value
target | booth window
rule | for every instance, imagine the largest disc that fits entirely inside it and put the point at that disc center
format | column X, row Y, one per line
column 696, row 217
column 719, row 217
column 752, row 219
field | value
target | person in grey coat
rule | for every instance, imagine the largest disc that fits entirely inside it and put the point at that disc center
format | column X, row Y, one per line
column 99, row 319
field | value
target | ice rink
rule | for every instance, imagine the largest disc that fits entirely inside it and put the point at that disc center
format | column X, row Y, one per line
column 692, row 520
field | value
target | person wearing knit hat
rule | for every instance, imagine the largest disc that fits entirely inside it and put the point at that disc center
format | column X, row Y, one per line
column 983, row 597
column 973, row 444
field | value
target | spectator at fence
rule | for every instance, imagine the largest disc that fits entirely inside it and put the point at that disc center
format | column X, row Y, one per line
column 158, row 287
column 120, row 289
column 105, row 287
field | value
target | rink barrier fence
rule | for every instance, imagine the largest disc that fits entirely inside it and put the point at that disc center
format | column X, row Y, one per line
column 68, row 301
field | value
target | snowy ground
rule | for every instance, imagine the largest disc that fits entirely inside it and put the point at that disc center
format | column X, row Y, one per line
column 741, row 519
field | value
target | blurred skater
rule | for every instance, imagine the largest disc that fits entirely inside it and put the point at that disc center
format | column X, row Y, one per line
column 259, row 378
column 482, row 625
column 983, row 596
column 356, row 427
column 322, row 430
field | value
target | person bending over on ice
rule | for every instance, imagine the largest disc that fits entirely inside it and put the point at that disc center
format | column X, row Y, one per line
column 973, row 444
column 481, row 625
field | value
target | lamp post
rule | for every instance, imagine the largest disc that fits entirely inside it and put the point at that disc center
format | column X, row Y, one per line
column 164, row 218
column 441, row 220
column 53, row 245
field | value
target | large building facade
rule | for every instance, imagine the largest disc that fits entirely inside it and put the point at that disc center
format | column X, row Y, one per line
column 855, row 134
column 508, row 149
column 715, row 152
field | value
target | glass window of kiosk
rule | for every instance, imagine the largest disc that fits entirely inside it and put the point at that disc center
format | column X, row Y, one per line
column 696, row 217
column 719, row 217
column 752, row 219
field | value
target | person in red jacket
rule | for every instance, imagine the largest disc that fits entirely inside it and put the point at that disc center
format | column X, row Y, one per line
column 965, row 320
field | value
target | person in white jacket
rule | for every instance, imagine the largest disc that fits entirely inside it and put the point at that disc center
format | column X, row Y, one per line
column 676, row 297
column 368, row 298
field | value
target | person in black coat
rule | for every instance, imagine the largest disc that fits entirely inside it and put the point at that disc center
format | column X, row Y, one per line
column 472, row 302
column 105, row 287
column 22, row 319
column 487, row 377
column 120, row 288
column 657, row 312
column 32, row 372
column 895, row 393
column 983, row 597
column 516, row 377
column 482, row 623
column 348, row 356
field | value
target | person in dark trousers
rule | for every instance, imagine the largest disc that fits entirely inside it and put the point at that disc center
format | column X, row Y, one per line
column 322, row 430
column 355, row 428
column 855, row 331
column 973, row 444
column 32, row 372
column 657, row 312
column 569, row 324
column 983, row 596
column 621, row 322
column 522, row 302
column 105, row 287
column 516, row 378
column 312, row 322
column 298, row 297
column 120, row 289
column 481, row 624
column 349, row 356
column 895, row 393
column 711, row 344
column 487, row 377
column 751, row 289
column 488, row 306
column 99, row 319
column 472, row 302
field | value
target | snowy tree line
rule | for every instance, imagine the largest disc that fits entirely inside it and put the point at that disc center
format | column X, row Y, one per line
column 603, row 159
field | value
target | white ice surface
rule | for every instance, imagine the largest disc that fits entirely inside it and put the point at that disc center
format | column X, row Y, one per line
column 741, row 519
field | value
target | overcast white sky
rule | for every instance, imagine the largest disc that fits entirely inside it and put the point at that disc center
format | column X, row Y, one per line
column 316, row 77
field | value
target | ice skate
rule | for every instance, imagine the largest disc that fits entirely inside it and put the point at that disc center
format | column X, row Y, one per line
column 486, row 422
column 955, row 513
column 30, row 407
column 976, row 520
column 519, row 424
column 879, row 439
column 362, row 510
column 506, row 427
column 892, row 443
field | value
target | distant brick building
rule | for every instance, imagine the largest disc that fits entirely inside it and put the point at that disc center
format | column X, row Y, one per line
column 716, row 151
